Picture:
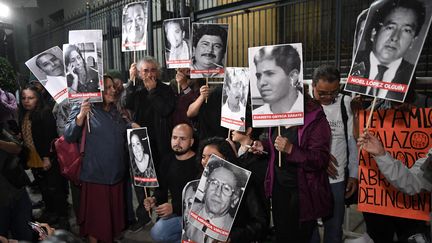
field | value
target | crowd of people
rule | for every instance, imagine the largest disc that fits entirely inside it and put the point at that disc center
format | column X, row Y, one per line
column 299, row 173
column 318, row 168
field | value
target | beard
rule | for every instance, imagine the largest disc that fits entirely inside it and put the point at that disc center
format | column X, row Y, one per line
column 180, row 152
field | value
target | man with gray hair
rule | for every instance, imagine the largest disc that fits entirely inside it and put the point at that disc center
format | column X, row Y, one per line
column 152, row 103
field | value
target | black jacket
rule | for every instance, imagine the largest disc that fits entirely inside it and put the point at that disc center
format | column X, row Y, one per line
column 153, row 110
column 253, row 217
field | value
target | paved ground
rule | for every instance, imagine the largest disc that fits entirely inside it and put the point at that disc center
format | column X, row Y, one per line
column 352, row 229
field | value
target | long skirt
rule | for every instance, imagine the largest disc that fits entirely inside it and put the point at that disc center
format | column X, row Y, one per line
column 101, row 213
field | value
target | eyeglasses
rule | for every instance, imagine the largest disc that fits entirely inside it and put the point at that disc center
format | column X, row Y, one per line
column 226, row 189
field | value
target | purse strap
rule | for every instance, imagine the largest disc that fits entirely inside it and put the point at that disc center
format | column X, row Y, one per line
column 83, row 138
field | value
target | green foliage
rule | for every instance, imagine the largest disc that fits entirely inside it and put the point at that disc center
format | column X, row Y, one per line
column 7, row 76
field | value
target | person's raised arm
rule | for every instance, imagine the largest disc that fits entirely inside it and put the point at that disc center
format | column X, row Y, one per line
column 410, row 181
column 194, row 108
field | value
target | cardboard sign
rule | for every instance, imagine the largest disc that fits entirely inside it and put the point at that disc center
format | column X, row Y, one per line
column 141, row 159
column 389, row 48
column 407, row 137
column 177, row 42
column 217, row 200
column 234, row 98
column 276, row 86
column 134, row 26
column 48, row 67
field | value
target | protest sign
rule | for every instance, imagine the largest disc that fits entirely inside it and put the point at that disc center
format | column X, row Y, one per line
column 188, row 196
column 407, row 137
column 177, row 42
column 134, row 26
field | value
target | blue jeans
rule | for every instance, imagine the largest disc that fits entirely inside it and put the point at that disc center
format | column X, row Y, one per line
column 15, row 218
column 333, row 225
column 167, row 230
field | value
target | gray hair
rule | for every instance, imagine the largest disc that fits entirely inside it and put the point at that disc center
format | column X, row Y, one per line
column 149, row 59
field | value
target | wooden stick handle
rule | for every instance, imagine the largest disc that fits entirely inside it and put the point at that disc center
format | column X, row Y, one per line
column 88, row 122
column 145, row 193
column 371, row 113
column 134, row 60
column 280, row 154
column 206, row 85
column 369, row 120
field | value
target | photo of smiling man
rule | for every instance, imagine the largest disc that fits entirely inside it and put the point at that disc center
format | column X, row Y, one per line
column 134, row 26
column 394, row 34
column 209, row 48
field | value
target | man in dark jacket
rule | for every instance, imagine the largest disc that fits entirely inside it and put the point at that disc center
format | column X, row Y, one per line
column 152, row 103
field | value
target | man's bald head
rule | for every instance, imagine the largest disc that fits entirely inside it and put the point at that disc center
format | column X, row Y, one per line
column 182, row 139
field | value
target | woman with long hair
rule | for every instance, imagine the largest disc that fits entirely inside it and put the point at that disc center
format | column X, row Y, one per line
column 38, row 129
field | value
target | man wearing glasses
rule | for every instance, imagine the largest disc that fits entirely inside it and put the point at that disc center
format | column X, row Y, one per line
column 221, row 196
column 343, row 157
column 152, row 103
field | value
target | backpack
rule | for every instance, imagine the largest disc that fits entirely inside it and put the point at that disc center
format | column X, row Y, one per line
column 353, row 199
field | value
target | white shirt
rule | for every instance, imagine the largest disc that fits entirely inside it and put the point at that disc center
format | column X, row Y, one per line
column 389, row 74
column 227, row 113
column 338, row 144
column 265, row 110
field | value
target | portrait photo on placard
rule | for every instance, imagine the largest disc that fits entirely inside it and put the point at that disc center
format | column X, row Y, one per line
column 82, row 76
column 188, row 196
column 276, row 84
column 235, row 92
column 213, row 213
column 48, row 68
column 141, row 159
column 389, row 48
column 177, row 42
column 134, row 26
column 209, row 50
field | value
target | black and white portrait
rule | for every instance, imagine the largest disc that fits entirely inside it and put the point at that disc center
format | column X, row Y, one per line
column 134, row 26
column 212, row 215
column 48, row 68
column 177, row 42
column 188, row 197
column 276, row 74
column 81, row 71
column 89, row 43
column 141, row 160
column 209, row 48
column 390, row 46
column 234, row 98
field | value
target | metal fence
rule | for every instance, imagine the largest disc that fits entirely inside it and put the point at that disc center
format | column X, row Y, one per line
column 324, row 27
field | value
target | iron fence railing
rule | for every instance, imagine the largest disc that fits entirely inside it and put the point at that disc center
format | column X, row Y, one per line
column 324, row 27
